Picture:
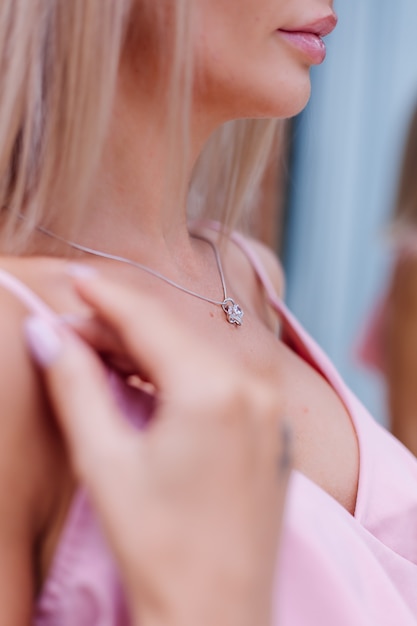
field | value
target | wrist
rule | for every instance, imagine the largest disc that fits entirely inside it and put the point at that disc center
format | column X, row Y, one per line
column 217, row 608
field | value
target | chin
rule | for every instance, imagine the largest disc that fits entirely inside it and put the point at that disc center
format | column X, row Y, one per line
column 297, row 102
column 288, row 102
column 266, row 96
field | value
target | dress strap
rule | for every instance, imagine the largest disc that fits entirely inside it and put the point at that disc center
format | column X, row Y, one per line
column 250, row 254
column 33, row 302
column 292, row 334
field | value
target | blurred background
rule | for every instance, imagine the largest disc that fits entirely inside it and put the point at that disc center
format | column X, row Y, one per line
column 338, row 169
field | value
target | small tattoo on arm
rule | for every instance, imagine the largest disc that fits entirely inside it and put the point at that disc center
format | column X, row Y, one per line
column 286, row 457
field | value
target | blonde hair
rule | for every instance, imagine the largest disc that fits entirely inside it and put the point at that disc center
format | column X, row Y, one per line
column 59, row 63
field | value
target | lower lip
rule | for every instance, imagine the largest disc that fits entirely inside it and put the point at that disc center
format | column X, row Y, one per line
column 311, row 45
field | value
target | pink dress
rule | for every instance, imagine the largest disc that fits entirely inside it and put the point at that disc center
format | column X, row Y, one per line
column 333, row 569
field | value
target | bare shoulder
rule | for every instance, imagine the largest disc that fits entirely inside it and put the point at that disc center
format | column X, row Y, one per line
column 46, row 277
column 28, row 454
column 254, row 289
column 22, row 400
column 242, row 277
column 20, row 393
column 270, row 262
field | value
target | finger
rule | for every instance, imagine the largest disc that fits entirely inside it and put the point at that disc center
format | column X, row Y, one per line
column 150, row 335
column 92, row 330
column 103, row 340
column 77, row 386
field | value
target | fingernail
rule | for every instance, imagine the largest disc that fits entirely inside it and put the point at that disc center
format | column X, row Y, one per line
column 79, row 270
column 72, row 319
column 42, row 340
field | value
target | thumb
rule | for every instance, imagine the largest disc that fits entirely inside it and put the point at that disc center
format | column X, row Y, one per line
column 77, row 387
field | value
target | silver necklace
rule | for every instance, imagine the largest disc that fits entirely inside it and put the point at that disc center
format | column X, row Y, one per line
column 233, row 311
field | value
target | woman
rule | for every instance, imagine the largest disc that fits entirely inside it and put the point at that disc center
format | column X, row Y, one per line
column 105, row 109
column 205, row 489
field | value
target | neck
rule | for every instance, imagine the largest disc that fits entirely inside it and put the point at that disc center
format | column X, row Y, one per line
column 132, row 207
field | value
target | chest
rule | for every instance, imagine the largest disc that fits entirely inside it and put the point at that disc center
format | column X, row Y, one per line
column 325, row 441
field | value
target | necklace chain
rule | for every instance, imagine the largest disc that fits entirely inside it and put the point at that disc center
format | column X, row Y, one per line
column 234, row 313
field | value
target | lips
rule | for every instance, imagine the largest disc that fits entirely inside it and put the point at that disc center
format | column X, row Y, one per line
column 307, row 38
column 321, row 27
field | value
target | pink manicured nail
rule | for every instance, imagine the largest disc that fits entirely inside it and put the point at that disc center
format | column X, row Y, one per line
column 79, row 270
column 72, row 319
column 42, row 340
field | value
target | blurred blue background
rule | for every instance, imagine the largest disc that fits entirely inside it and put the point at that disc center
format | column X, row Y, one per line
column 345, row 160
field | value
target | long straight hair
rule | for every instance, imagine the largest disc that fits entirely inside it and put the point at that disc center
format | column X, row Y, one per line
column 59, row 62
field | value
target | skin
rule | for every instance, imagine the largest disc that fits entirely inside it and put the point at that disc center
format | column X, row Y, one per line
column 190, row 509
column 245, row 71
column 272, row 82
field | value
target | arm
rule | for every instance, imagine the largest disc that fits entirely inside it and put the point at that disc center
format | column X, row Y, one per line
column 210, row 469
column 22, row 470
column 401, row 352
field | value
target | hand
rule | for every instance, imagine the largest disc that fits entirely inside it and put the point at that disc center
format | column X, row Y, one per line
column 192, row 504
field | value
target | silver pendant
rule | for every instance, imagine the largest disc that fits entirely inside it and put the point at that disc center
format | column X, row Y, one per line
column 234, row 312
